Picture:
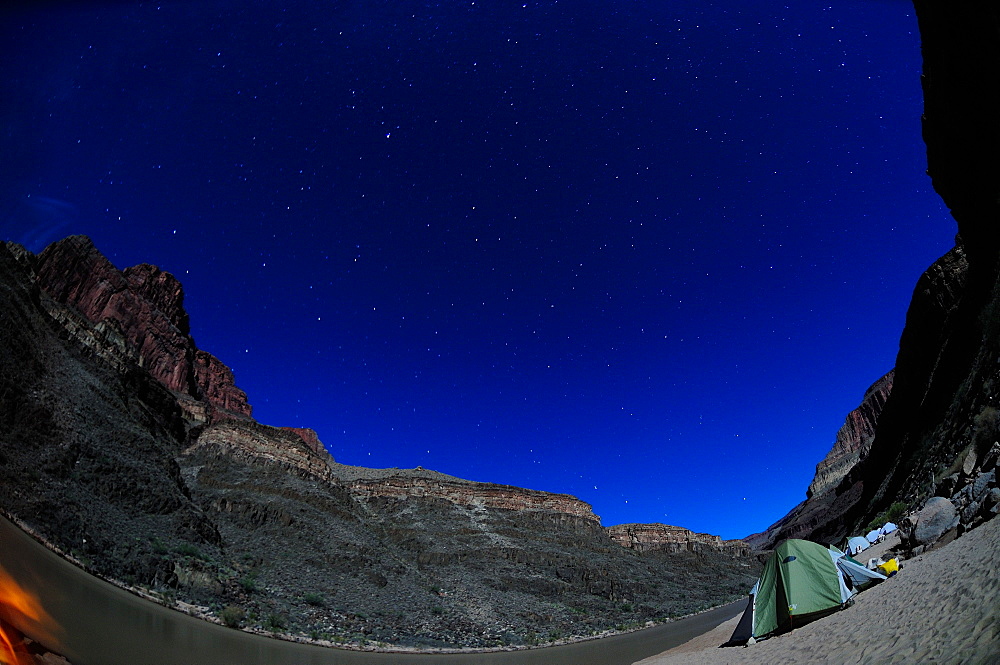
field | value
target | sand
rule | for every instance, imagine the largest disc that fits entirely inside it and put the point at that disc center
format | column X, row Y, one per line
column 942, row 607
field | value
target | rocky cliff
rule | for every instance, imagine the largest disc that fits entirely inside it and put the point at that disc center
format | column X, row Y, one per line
column 666, row 538
column 947, row 375
column 854, row 439
column 135, row 315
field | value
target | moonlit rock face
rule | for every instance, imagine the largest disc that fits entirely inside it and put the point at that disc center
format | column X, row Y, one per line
column 145, row 305
column 934, row 519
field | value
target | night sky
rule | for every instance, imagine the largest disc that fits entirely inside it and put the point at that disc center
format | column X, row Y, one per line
column 646, row 253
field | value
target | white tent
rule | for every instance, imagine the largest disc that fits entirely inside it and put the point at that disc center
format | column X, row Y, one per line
column 857, row 544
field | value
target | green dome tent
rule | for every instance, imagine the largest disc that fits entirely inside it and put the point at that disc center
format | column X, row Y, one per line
column 800, row 582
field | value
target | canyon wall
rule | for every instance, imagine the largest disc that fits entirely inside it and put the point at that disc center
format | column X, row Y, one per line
column 666, row 538
column 854, row 438
column 134, row 316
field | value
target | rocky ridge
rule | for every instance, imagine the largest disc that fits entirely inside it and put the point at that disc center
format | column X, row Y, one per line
column 482, row 495
column 666, row 538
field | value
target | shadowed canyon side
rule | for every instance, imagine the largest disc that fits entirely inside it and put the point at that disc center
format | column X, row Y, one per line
column 852, row 443
column 133, row 451
column 938, row 433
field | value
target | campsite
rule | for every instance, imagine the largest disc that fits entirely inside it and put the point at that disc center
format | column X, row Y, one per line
column 802, row 581
column 941, row 607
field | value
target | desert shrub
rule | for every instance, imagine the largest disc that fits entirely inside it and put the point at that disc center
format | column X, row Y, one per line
column 248, row 582
column 187, row 549
column 232, row 616
column 437, row 610
column 157, row 545
column 892, row 514
column 276, row 621
column 314, row 599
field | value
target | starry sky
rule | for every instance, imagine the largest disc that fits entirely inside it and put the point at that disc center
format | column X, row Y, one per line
column 646, row 253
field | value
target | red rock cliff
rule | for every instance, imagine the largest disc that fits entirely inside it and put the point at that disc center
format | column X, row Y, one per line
column 136, row 315
column 853, row 440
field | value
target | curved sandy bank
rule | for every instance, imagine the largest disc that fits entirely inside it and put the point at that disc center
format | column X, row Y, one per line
column 942, row 607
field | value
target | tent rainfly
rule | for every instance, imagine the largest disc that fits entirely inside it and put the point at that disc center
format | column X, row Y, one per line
column 800, row 582
column 872, row 536
column 888, row 528
column 855, row 575
column 857, row 544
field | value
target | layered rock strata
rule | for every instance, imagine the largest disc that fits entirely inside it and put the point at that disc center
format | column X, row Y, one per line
column 256, row 443
column 134, row 316
column 854, row 438
column 666, row 538
column 477, row 495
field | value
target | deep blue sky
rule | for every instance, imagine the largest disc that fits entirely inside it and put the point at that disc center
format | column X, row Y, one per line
column 646, row 253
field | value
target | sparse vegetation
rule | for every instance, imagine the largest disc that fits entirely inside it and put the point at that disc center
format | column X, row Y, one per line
column 891, row 514
column 157, row 545
column 232, row 616
column 314, row 599
column 276, row 621
column 248, row 582
column 187, row 549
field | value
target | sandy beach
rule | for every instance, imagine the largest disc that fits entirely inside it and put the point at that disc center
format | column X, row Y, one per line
column 942, row 607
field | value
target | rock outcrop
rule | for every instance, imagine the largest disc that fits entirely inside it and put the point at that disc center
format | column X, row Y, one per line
column 853, row 440
column 478, row 495
column 135, row 316
column 255, row 443
column 666, row 538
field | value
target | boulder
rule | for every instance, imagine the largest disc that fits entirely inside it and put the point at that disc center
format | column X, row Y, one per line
column 992, row 500
column 936, row 517
column 969, row 465
column 982, row 485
